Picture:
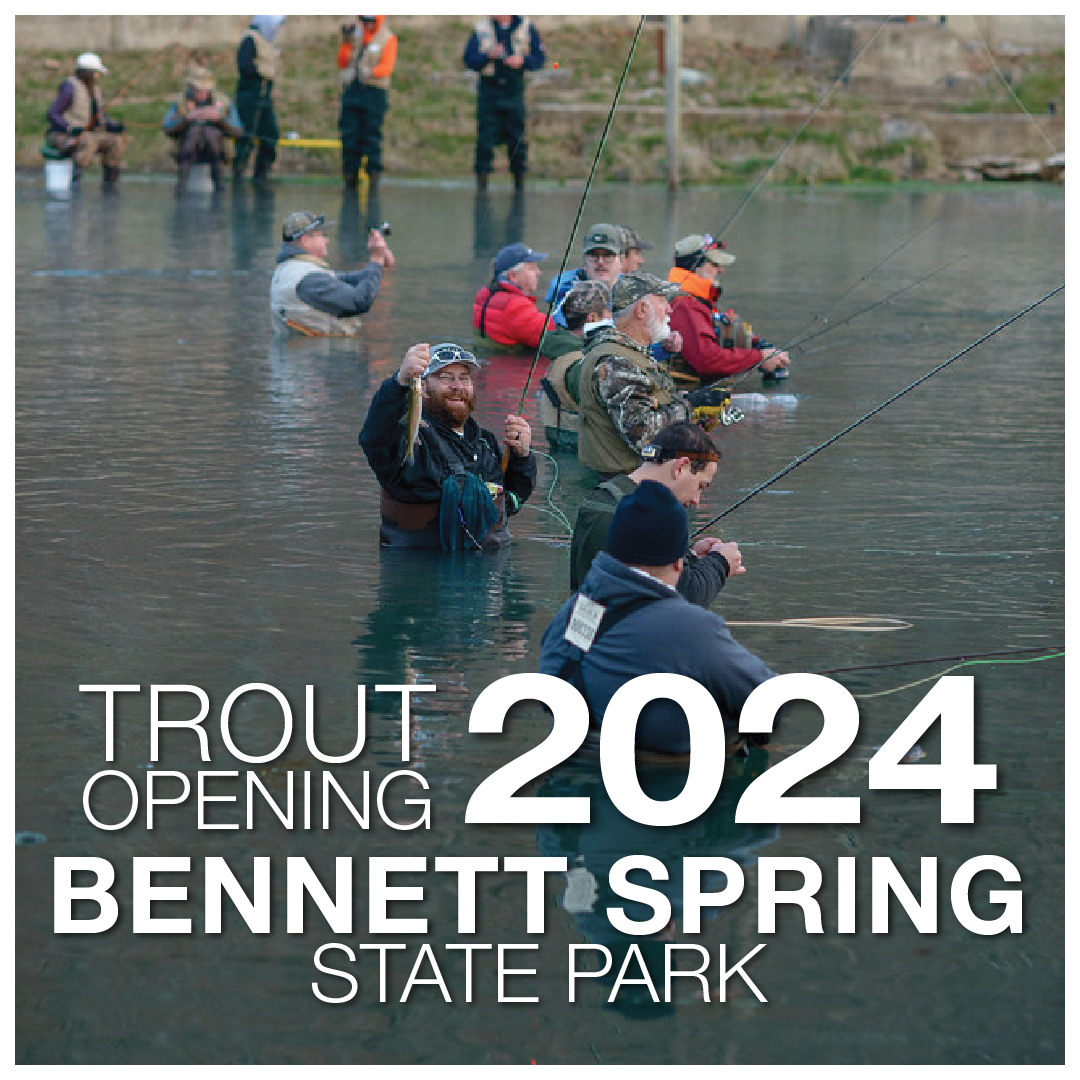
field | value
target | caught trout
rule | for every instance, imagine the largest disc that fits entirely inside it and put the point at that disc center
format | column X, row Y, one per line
column 411, row 419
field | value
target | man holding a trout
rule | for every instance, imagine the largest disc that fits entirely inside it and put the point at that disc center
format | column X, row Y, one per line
column 441, row 473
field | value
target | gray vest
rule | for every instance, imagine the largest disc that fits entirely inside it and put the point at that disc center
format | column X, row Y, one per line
column 289, row 312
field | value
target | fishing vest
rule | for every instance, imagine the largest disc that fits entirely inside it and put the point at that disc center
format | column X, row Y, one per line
column 81, row 109
column 365, row 58
column 289, row 312
column 731, row 331
column 486, row 36
column 601, row 446
column 266, row 56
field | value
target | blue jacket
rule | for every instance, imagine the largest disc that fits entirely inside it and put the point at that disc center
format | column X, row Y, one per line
column 559, row 287
column 667, row 635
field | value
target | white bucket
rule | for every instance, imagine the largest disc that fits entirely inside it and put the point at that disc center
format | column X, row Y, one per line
column 199, row 178
column 58, row 175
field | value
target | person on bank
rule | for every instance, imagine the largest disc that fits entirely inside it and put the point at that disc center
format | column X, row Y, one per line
column 502, row 48
column 505, row 311
column 78, row 126
column 714, row 343
column 447, row 489
column 257, row 62
column 647, row 626
column 366, row 58
column 203, row 124
column 306, row 295
column 627, row 395
column 683, row 458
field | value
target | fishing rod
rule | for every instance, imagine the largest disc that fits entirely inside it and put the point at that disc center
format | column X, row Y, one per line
column 824, row 315
column 797, row 343
column 577, row 219
column 802, row 127
column 873, row 412
column 876, row 304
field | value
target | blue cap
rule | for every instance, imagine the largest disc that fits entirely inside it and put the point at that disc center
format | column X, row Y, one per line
column 513, row 254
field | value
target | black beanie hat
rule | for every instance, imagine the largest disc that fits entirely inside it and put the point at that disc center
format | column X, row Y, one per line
column 649, row 527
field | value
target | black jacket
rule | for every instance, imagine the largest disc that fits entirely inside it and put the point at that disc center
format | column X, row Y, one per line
column 438, row 451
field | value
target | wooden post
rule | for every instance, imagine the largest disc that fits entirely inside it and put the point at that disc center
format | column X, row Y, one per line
column 672, row 58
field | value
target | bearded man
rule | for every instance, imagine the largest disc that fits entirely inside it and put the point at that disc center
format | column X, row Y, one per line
column 626, row 395
column 442, row 479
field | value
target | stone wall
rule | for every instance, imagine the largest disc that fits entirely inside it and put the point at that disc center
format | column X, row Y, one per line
column 104, row 33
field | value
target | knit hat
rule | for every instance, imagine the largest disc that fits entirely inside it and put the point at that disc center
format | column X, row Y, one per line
column 649, row 528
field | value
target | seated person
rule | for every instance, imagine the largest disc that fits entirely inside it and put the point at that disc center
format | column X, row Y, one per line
column 505, row 311
column 441, row 473
column 203, row 124
column 78, row 126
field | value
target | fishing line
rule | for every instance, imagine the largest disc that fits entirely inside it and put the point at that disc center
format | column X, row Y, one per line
column 941, row 659
column 873, row 412
column 581, row 205
column 1005, row 83
column 555, row 512
column 862, row 624
column 955, row 667
column 783, row 150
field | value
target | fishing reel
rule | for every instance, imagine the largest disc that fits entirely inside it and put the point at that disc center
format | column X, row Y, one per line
column 383, row 228
column 714, row 407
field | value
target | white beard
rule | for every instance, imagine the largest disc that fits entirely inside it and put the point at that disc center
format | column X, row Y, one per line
column 659, row 330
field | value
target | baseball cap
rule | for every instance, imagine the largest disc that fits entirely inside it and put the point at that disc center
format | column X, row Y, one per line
column 300, row 222
column 632, row 287
column 705, row 246
column 446, row 353
column 633, row 242
column 89, row 61
column 513, row 254
column 608, row 237
column 200, row 78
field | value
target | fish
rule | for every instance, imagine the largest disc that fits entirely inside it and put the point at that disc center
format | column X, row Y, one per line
column 411, row 419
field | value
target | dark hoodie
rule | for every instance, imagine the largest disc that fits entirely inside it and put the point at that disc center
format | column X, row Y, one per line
column 668, row 634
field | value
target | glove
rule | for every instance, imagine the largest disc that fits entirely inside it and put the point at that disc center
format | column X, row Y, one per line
column 709, row 397
column 75, row 130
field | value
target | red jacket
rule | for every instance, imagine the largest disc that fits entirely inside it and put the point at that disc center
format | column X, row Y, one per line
column 692, row 316
column 510, row 317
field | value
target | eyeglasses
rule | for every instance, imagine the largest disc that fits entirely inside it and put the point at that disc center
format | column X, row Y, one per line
column 601, row 256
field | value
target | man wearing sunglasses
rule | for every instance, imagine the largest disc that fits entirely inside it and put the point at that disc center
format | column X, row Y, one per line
column 306, row 296
column 443, row 484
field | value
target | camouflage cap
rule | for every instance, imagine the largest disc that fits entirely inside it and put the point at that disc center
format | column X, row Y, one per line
column 584, row 298
column 300, row 222
column 632, row 287
column 633, row 242
column 604, row 236
column 705, row 246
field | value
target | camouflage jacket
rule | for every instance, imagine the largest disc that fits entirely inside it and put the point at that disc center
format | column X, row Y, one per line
column 637, row 393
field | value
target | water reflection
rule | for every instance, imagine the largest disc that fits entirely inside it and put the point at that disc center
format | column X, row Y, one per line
column 494, row 228
column 593, row 849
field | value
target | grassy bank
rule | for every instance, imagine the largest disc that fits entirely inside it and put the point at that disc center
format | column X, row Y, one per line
column 743, row 109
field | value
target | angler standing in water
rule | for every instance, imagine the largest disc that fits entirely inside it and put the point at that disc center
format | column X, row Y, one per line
column 453, row 492
column 714, row 343
column 306, row 296
column 256, row 67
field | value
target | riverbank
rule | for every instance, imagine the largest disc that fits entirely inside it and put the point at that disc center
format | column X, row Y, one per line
column 740, row 107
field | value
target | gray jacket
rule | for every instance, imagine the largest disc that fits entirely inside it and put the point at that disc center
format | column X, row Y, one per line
column 340, row 296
